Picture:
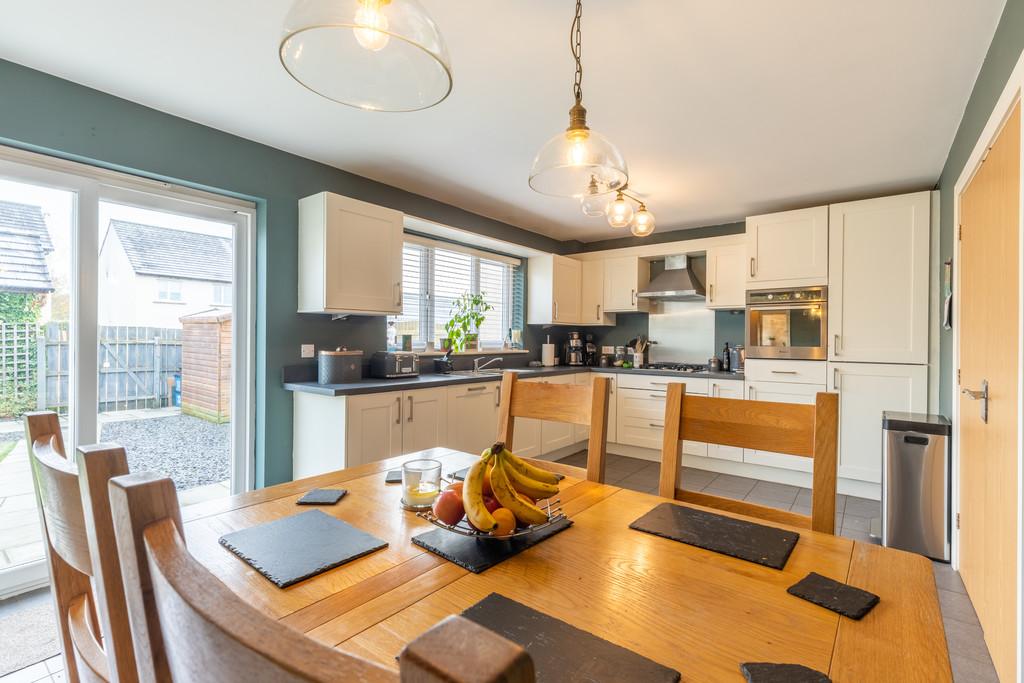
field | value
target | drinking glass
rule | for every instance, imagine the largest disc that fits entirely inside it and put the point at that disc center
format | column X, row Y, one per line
column 421, row 483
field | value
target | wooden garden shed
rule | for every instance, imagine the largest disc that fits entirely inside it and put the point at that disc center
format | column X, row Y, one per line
column 206, row 365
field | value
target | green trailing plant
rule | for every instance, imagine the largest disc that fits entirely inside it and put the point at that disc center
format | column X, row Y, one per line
column 467, row 315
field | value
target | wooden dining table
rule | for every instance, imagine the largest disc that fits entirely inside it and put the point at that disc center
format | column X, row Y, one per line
column 693, row 610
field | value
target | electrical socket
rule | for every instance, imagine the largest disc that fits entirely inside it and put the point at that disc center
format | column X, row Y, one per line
column 307, row 351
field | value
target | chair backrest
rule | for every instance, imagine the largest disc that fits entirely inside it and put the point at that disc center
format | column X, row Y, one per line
column 190, row 626
column 572, row 403
column 84, row 570
column 809, row 431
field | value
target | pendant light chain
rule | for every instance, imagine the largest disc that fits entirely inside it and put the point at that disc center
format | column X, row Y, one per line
column 576, row 47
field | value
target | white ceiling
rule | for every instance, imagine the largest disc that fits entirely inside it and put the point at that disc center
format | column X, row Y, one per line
column 722, row 108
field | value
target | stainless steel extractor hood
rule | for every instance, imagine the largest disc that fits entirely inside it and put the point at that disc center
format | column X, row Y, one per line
column 676, row 283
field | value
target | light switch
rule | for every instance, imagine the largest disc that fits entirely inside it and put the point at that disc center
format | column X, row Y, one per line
column 308, row 351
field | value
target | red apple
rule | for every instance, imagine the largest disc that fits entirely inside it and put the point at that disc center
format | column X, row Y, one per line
column 448, row 507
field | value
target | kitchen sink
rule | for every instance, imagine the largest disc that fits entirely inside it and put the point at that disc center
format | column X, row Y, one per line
column 477, row 373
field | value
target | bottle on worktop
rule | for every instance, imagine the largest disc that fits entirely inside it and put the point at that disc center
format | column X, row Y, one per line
column 725, row 358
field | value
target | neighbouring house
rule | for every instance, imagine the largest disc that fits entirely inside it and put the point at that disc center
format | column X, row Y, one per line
column 153, row 276
column 24, row 245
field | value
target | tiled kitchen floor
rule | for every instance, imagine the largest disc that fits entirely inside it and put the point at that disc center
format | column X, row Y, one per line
column 856, row 518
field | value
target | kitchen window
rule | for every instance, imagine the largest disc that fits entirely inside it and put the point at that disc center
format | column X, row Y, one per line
column 434, row 274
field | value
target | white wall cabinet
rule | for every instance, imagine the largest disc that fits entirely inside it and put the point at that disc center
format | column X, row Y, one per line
column 592, row 311
column 623, row 278
column 865, row 390
column 726, row 275
column 788, row 249
column 473, row 416
column 782, row 392
column 350, row 256
column 374, row 427
column 878, row 279
column 725, row 388
column 554, row 290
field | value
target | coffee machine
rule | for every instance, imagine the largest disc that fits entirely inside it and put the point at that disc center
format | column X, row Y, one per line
column 573, row 349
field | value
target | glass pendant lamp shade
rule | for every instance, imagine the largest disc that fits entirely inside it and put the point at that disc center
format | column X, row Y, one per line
column 619, row 212
column 380, row 55
column 568, row 162
column 643, row 223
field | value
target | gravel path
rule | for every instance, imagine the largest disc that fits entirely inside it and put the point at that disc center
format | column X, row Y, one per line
column 190, row 451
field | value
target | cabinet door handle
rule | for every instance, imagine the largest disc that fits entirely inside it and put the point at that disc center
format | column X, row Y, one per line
column 714, row 390
column 784, row 372
column 398, row 417
column 409, row 419
column 655, row 424
column 660, row 384
column 398, row 293
column 497, row 396
column 711, row 288
column 598, row 315
column 835, row 379
column 753, row 267
column 750, row 393
column 835, row 344
column 656, row 395
column 634, row 296
column 476, row 388
column 555, row 316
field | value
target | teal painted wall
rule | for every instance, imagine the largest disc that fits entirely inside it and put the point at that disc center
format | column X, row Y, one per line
column 48, row 114
column 1002, row 56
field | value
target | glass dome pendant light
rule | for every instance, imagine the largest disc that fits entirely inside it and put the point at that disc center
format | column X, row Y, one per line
column 643, row 222
column 594, row 202
column 378, row 55
column 619, row 212
column 569, row 162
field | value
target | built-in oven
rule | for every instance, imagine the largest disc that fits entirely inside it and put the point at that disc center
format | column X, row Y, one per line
column 788, row 323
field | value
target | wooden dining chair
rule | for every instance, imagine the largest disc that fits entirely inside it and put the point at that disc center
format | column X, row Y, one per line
column 572, row 403
column 809, row 431
column 188, row 626
column 85, row 575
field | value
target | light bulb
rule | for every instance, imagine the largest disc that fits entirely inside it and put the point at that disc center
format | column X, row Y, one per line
column 370, row 15
column 643, row 223
column 579, row 152
column 619, row 212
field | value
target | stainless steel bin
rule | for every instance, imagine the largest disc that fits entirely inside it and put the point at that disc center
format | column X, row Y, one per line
column 916, row 483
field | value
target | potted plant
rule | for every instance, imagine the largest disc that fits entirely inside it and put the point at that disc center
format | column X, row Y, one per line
column 467, row 315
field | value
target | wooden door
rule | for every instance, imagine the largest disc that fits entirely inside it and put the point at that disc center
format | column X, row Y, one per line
column 727, row 276
column 592, row 294
column 788, row 249
column 565, row 285
column 865, row 391
column 988, row 308
column 373, row 423
column 363, row 257
column 425, row 419
column 878, row 279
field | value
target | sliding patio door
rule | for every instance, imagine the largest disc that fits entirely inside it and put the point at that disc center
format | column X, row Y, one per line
column 125, row 307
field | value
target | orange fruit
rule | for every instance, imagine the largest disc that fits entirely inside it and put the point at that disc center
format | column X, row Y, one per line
column 506, row 522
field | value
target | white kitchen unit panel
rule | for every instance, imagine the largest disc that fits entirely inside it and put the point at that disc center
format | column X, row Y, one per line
column 878, row 279
column 526, row 438
column 781, row 392
column 424, row 419
column 592, row 310
column 772, row 370
column 318, row 434
column 641, row 421
column 350, row 256
column 554, row 290
column 374, row 427
column 865, row 390
column 694, row 385
column 726, row 388
column 727, row 276
column 473, row 416
column 624, row 276
column 788, row 249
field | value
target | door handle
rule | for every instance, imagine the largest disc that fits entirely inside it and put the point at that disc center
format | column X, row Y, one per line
column 398, row 295
column 598, row 316
column 409, row 419
column 979, row 396
column 656, row 395
column 633, row 296
column 750, row 393
column 476, row 388
column 784, row 372
column 753, row 268
column 555, row 317
column 714, row 390
column 398, row 417
column 835, row 379
column 835, row 344
column 711, row 292
column 654, row 424
column 497, row 396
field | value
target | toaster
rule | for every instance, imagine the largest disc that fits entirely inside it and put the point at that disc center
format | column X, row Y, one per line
column 390, row 364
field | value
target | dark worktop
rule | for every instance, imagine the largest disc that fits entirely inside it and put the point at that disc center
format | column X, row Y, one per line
column 369, row 385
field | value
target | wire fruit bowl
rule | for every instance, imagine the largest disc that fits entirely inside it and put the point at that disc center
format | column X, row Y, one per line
column 552, row 507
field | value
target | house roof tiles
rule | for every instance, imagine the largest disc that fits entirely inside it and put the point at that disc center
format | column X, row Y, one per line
column 170, row 253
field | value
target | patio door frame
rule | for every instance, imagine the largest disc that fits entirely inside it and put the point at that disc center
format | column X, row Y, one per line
column 91, row 185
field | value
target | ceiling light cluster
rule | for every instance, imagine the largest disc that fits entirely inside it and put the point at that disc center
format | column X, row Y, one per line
column 388, row 55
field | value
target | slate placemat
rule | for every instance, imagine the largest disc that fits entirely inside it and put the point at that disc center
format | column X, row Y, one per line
column 322, row 497
column 460, row 475
column 765, row 545
column 393, row 477
column 477, row 554
column 292, row 549
column 765, row 672
column 847, row 600
column 561, row 652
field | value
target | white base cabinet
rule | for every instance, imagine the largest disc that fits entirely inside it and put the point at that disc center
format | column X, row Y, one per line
column 781, row 392
column 473, row 416
column 725, row 388
column 865, row 390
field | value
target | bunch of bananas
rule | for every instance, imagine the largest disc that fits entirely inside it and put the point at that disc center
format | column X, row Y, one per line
column 515, row 484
